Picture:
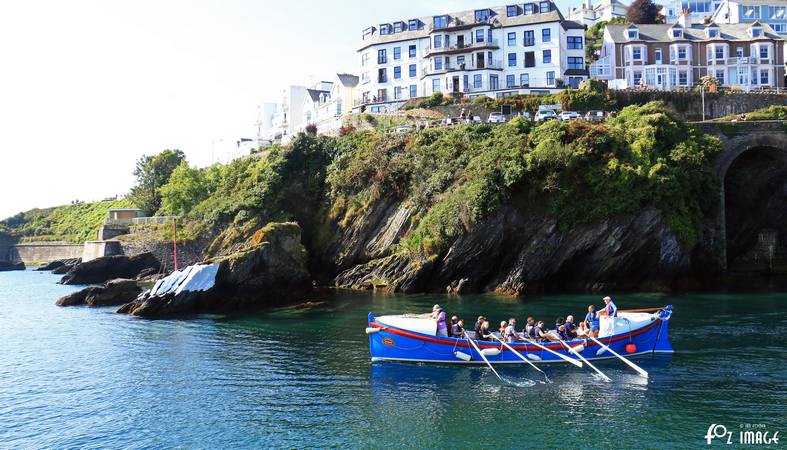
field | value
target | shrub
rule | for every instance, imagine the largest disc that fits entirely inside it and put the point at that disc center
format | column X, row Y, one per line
column 311, row 129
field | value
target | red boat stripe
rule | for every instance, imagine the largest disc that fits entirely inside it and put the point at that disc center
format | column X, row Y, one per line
column 528, row 347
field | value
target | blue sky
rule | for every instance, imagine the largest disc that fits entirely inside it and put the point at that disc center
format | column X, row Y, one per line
column 87, row 87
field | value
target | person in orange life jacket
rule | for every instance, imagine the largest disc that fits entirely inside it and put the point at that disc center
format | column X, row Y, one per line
column 610, row 309
column 438, row 315
column 570, row 328
column 458, row 329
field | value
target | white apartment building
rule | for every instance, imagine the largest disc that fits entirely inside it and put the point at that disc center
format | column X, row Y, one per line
column 327, row 102
column 677, row 56
column 699, row 10
column 772, row 12
column 265, row 129
column 605, row 10
column 288, row 119
column 498, row 51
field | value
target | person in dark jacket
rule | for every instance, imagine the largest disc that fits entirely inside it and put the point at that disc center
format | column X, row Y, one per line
column 458, row 329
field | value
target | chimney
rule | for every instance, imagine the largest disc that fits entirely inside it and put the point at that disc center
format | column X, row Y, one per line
column 685, row 18
column 588, row 4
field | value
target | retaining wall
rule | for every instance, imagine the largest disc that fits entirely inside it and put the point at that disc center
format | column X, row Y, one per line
column 42, row 252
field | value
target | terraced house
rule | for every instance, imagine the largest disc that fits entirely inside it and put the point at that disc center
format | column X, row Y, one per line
column 748, row 56
column 497, row 51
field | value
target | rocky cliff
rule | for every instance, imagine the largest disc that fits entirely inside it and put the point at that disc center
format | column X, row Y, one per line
column 270, row 271
column 511, row 253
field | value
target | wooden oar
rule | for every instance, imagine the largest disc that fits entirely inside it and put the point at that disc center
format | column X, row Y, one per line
column 586, row 361
column 482, row 356
column 519, row 355
column 560, row 355
column 639, row 369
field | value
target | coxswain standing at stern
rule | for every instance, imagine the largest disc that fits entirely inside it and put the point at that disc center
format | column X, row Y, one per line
column 610, row 310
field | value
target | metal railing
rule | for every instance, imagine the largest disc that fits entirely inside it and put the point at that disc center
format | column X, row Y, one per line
column 155, row 220
column 496, row 65
column 464, row 46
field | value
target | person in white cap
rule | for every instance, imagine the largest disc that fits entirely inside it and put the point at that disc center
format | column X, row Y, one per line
column 438, row 315
column 610, row 310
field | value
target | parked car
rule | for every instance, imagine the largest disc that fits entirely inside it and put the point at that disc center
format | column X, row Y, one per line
column 496, row 117
column 543, row 116
column 569, row 115
column 525, row 115
column 595, row 116
column 474, row 119
column 404, row 128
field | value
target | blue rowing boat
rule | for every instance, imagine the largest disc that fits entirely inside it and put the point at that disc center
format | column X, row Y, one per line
column 413, row 338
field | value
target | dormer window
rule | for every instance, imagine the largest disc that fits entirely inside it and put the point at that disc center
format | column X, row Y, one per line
column 440, row 22
column 632, row 33
column 544, row 7
column 413, row 24
column 398, row 27
column 512, row 10
column 676, row 33
column 755, row 32
column 385, row 29
column 712, row 32
column 528, row 8
column 482, row 15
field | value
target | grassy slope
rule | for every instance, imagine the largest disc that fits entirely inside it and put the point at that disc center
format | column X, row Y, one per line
column 73, row 223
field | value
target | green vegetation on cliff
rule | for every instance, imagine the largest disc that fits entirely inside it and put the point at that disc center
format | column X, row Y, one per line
column 773, row 112
column 455, row 177
column 77, row 222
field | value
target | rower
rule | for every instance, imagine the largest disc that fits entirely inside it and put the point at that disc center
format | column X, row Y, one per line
column 482, row 333
column 610, row 309
column 438, row 315
column 478, row 322
column 538, row 331
column 570, row 328
column 590, row 325
column 531, row 323
column 559, row 333
column 510, row 333
column 502, row 329
column 458, row 329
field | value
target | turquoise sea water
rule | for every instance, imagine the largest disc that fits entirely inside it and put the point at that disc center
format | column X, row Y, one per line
column 301, row 378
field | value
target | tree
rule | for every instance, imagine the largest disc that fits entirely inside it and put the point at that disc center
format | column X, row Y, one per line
column 153, row 172
column 185, row 189
column 643, row 11
column 594, row 38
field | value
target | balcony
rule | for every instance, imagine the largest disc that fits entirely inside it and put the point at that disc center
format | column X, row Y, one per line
column 740, row 61
column 452, row 49
column 459, row 25
column 496, row 65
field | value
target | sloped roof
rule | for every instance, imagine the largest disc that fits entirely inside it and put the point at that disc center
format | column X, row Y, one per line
column 315, row 94
column 660, row 32
column 498, row 18
column 570, row 24
column 348, row 80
